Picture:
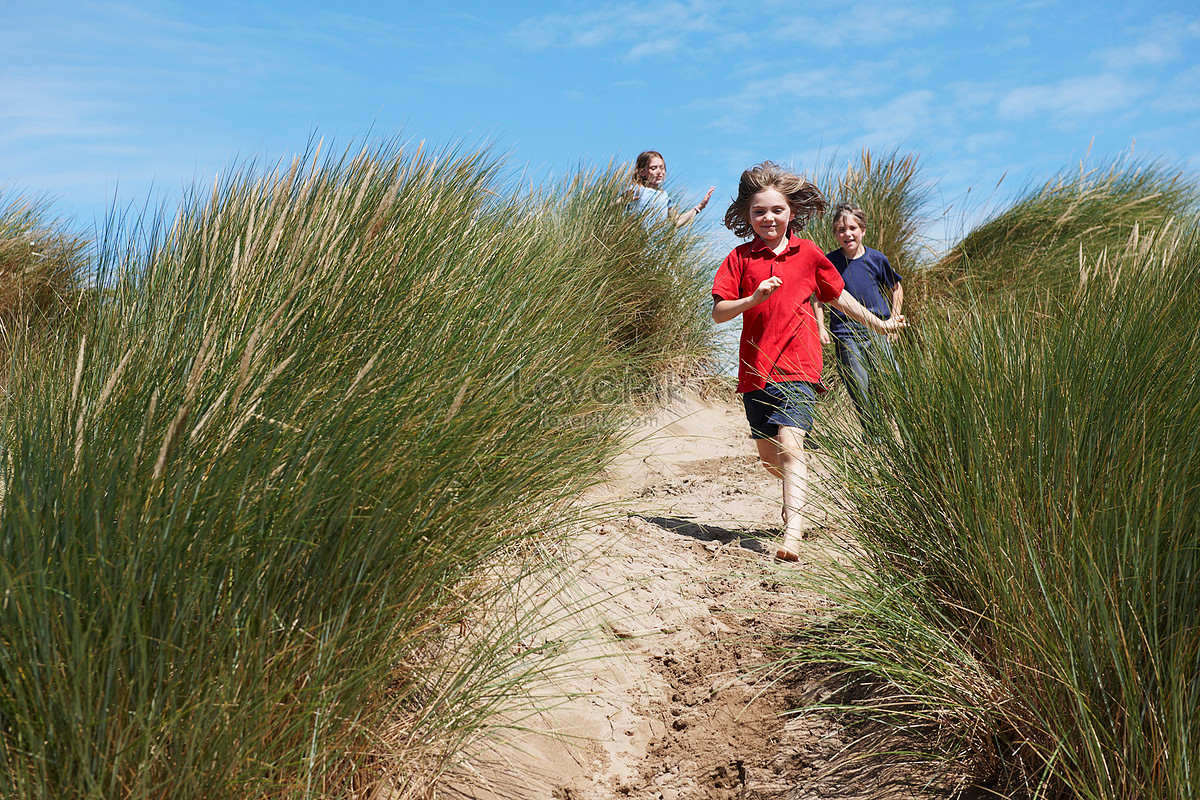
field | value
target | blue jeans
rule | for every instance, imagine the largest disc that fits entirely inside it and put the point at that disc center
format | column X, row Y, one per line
column 858, row 359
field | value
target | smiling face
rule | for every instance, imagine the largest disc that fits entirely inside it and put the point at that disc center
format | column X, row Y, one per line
column 654, row 173
column 769, row 216
column 849, row 234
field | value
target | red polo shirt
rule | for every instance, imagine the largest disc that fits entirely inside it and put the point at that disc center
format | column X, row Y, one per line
column 779, row 335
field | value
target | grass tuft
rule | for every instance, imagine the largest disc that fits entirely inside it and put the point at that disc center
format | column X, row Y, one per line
column 252, row 502
column 892, row 192
column 1032, row 540
column 1038, row 245
column 41, row 269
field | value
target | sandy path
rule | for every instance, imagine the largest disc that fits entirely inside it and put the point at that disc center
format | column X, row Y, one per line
column 675, row 696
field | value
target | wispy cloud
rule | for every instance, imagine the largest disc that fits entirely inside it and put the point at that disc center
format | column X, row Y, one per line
column 867, row 23
column 1020, row 41
column 1183, row 93
column 907, row 114
column 1169, row 39
column 37, row 108
column 1069, row 98
column 143, row 89
column 780, row 97
column 657, row 47
column 642, row 30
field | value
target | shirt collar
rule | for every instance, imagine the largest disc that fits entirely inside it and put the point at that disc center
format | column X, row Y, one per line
column 758, row 246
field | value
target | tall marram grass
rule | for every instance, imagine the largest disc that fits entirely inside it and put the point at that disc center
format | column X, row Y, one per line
column 1033, row 536
column 41, row 269
column 891, row 191
column 1039, row 244
column 251, row 507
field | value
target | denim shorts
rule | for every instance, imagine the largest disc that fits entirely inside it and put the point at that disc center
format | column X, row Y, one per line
column 788, row 404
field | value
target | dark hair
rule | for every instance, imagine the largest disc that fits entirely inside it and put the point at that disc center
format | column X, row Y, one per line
column 851, row 209
column 803, row 196
column 643, row 161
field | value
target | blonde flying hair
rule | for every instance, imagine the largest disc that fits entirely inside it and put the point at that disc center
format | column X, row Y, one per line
column 803, row 196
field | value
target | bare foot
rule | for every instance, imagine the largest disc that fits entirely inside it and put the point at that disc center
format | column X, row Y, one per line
column 789, row 550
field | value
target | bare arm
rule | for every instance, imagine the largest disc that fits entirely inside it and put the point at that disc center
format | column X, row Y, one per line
column 690, row 214
column 725, row 310
column 897, row 304
column 819, row 313
column 852, row 308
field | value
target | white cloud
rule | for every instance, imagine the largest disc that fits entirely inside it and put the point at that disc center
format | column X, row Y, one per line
column 986, row 141
column 973, row 96
column 1069, row 98
column 35, row 109
column 867, row 23
column 1018, row 42
column 1183, row 92
column 910, row 112
column 1169, row 39
column 656, row 47
column 806, row 31
column 638, row 26
column 1148, row 51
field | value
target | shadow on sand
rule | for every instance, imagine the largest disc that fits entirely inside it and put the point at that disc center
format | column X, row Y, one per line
column 750, row 540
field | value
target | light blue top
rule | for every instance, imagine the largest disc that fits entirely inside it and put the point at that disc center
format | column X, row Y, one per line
column 652, row 202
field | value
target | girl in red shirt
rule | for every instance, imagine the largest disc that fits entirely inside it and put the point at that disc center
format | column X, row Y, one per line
column 769, row 281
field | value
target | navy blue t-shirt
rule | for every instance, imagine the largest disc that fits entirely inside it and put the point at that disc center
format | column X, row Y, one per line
column 869, row 280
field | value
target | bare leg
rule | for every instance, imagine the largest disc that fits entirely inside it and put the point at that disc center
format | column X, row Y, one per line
column 794, row 466
column 784, row 457
column 768, row 454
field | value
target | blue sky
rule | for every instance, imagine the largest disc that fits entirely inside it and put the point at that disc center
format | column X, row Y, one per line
column 131, row 100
